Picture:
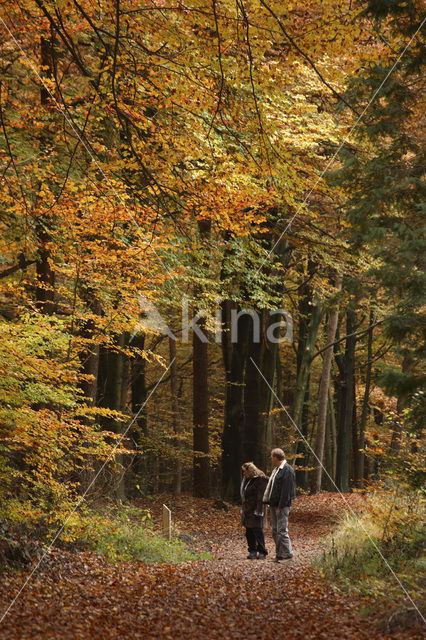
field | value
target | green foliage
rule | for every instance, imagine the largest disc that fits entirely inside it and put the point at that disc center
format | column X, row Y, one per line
column 384, row 181
column 234, row 129
column 395, row 382
column 128, row 534
column 407, row 468
column 386, row 538
column 44, row 445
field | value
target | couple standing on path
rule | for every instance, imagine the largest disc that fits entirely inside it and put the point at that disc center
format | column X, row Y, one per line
column 277, row 491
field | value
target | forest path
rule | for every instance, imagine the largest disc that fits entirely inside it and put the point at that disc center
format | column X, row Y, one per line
column 81, row 596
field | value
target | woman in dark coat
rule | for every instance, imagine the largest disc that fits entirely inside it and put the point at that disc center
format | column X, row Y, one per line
column 252, row 489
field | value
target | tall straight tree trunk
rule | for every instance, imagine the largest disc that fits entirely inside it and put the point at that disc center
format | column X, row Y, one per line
column 280, row 391
column 323, row 393
column 201, row 487
column 306, row 360
column 252, row 441
column 258, row 394
column 138, row 430
column 333, row 433
column 90, row 355
column 328, row 451
column 261, row 368
column 260, row 372
column 89, row 358
column 119, row 389
column 248, row 398
column 346, row 408
column 302, row 448
column 304, row 312
column 395, row 446
column 330, row 443
column 355, row 440
column 200, row 421
column 113, row 387
column 306, row 350
column 124, row 385
column 90, row 368
column 45, row 294
column 271, row 360
column 364, row 412
column 235, row 357
column 177, row 481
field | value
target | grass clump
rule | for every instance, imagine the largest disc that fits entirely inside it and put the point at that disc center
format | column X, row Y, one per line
column 126, row 533
column 380, row 548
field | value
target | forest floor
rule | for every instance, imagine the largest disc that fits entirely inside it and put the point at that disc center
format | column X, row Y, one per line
column 82, row 596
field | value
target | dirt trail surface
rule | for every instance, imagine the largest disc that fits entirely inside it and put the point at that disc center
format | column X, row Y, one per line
column 80, row 596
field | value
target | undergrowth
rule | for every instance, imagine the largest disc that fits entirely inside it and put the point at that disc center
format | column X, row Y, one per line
column 120, row 533
column 127, row 533
column 380, row 551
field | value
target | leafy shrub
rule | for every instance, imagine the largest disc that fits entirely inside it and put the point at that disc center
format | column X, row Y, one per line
column 382, row 546
column 46, row 440
column 126, row 534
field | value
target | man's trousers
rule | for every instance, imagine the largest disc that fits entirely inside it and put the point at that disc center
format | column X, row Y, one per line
column 279, row 524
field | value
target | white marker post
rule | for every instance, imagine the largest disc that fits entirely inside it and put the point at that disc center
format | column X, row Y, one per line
column 167, row 523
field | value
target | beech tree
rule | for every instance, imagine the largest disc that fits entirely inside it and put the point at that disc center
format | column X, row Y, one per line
column 159, row 153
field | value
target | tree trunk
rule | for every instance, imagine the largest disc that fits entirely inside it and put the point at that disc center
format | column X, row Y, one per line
column 138, row 430
column 201, row 487
column 305, row 355
column 90, row 368
column 90, row 354
column 252, row 441
column 258, row 394
column 200, row 409
column 323, row 393
column 395, row 446
column 235, row 356
column 364, row 411
column 114, row 377
column 302, row 448
column 333, row 434
column 346, row 408
column 45, row 288
column 355, row 440
column 89, row 358
column 271, row 433
column 328, row 452
column 248, row 398
column 177, row 481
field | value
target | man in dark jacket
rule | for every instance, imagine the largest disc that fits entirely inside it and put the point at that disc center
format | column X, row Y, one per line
column 279, row 493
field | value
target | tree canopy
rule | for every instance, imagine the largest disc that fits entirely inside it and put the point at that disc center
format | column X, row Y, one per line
column 243, row 161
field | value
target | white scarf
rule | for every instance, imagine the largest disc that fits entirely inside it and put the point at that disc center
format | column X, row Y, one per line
column 270, row 484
